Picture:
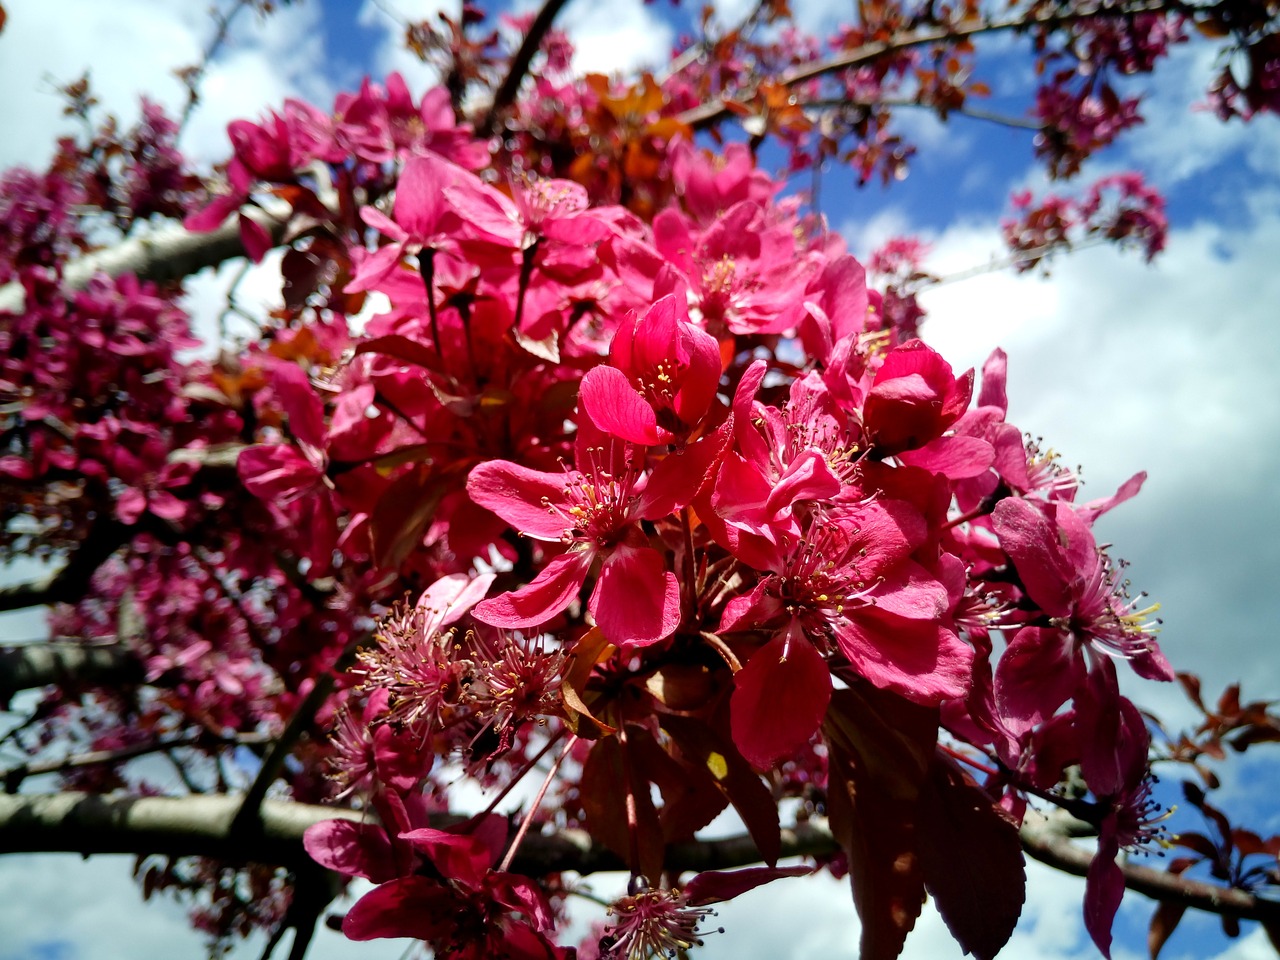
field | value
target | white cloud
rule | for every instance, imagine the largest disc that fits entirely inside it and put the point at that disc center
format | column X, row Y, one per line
column 61, row 906
column 1178, row 142
column 132, row 47
column 619, row 37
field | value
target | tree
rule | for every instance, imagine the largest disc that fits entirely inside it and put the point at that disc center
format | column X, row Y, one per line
column 683, row 514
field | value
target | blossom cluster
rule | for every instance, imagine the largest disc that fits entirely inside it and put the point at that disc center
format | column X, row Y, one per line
column 680, row 502
column 719, row 501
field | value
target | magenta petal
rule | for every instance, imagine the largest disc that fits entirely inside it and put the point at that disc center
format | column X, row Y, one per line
column 808, row 477
column 1127, row 490
column 458, row 856
column 304, row 408
column 953, row 457
column 405, row 907
column 995, row 374
column 539, row 601
column 352, row 849
column 748, row 610
column 420, row 193
column 919, row 659
column 450, row 597
column 212, row 216
column 254, row 238
column 681, row 475
column 1037, row 674
column 521, row 497
column 166, row 506
column 908, row 590
column 779, row 698
column 615, row 407
column 275, row 473
column 1031, row 541
column 372, row 269
column 636, row 601
column 702, row 378
column 399, row 763
column 130, row 505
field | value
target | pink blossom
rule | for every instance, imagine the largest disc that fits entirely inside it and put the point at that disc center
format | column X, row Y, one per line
column 662, row 379
column 594, row 510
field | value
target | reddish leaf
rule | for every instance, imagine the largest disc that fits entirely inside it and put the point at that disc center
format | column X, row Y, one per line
column 877, row 832
column 606, row 775
column 1197, row 842
column 716, row 886
column 1163, row 922
column 690, row 799
column 302, row 271
column 403, row 514
column 592, row 648
column 734, row 777
column 972, row 861
column 881, row 747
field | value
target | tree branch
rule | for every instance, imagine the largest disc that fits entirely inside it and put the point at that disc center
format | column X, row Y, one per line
column 202, row 826
column 13, row 777
column 169, row 253
column 1050, row 847
column 105, row 537
column 505, row 95
column 709, row 114
column 38, row 665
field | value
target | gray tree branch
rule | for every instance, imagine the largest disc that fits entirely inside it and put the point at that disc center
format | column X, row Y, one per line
column 202, row 826
column 168, row 253
column 40, row 664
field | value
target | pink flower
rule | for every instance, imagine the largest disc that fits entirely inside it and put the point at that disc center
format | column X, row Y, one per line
column 595, row 511
column 1086, row 612
column 913, row 399
column 422, row 219
column 709, row 184
column 463, row 909
column 381, row 125
column 1131, row 821
column 293, row 478
column 663, row 377
column 848, row 586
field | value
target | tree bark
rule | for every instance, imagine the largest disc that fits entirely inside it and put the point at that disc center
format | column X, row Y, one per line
column 169, row 253
column 206, row 826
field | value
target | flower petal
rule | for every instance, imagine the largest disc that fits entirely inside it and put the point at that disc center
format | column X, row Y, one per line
column 779, row 698
column 615, row 407
column 636, row 601
column 539, row 601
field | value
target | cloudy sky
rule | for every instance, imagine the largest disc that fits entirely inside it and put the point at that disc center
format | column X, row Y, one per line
column 1120, row 366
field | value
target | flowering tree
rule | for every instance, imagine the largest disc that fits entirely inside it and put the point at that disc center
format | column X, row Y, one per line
column 629, row 494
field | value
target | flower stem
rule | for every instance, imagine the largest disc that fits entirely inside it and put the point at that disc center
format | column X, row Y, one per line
column 524, row 772
column 537, row 802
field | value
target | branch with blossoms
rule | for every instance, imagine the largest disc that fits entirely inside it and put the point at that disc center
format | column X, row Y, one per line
column 636, row 503
column 194, row 826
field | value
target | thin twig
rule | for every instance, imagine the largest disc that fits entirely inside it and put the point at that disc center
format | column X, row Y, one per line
column 505, row 95
column 35, row 768
column 709, row 114
column 196, row 74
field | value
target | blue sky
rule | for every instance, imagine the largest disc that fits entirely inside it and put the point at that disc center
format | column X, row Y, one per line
column 1121, row 366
